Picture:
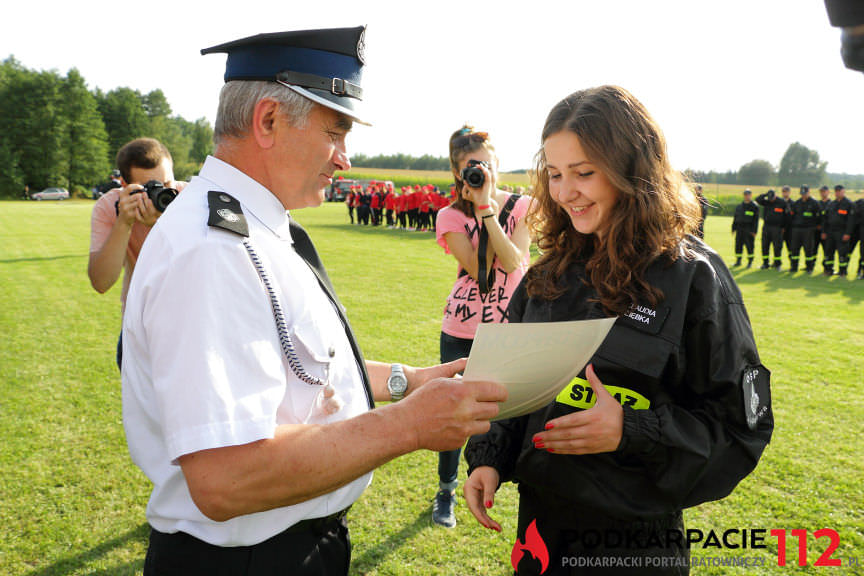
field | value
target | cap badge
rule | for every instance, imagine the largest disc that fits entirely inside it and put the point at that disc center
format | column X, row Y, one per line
column 361, row 47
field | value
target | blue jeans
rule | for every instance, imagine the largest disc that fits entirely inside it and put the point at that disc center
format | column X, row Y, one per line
column 452, row 348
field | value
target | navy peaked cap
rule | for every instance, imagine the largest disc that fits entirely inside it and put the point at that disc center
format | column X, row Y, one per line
column 323, row 65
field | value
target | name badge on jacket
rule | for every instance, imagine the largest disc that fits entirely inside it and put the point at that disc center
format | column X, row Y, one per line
column 646, row 319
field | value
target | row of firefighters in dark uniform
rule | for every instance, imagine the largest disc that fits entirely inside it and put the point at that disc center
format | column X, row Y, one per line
column 805, row 223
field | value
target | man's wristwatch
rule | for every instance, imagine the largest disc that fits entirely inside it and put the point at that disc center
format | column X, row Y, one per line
column 397, row 383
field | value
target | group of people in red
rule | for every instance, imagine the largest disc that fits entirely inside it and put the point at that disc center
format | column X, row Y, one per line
column 412, row 208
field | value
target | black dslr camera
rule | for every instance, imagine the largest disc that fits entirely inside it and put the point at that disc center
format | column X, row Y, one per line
column 473, row 175
column 159, row 195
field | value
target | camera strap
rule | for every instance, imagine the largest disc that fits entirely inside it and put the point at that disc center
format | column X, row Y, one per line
column 486, row 281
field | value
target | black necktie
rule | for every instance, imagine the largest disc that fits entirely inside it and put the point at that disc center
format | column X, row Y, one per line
column 304, row 247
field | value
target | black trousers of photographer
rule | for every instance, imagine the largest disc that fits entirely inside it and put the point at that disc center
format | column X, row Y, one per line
column 772, row 236
column 801, row 238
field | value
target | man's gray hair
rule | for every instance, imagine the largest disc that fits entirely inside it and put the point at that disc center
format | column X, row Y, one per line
column 237, row 104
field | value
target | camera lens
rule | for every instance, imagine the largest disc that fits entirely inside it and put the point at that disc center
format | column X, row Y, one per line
column 159, row 195
column 473, row 175
column 163, row 198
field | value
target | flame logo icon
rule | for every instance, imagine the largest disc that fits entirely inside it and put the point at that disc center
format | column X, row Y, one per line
column 533, row 545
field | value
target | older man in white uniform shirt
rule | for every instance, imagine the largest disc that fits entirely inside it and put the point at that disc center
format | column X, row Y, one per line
column 256, row 448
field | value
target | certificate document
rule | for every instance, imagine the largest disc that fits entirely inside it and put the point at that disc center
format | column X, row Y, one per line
column 535, row 361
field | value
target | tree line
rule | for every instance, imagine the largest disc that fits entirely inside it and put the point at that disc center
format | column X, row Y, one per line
column 799, row 165
column 401, row 162
column 54, row 131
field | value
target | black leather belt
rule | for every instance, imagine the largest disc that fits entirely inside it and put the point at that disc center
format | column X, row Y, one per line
column 318, row 524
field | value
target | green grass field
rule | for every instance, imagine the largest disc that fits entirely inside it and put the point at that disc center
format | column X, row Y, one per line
column 71, row 501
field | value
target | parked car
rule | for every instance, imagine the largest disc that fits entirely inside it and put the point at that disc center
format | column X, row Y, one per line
column 339, row 189
column 51, row 194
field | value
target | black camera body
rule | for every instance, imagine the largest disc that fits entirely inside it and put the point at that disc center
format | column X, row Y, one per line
column 473, row 175
column 159, row 195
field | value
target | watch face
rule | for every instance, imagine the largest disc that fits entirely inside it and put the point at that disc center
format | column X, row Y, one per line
column 397, row 383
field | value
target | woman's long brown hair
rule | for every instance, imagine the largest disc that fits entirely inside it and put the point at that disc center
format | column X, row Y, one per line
column 653, row 213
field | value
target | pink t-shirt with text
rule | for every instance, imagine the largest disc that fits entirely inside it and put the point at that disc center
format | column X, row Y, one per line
column 103, row 219
column 466, row 307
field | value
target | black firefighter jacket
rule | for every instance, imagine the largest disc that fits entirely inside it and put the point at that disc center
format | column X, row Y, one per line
column 746, row 217
column 839, row 216
column 696, row 397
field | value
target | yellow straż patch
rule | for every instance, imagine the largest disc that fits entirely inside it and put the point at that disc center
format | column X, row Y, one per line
column 579, row 394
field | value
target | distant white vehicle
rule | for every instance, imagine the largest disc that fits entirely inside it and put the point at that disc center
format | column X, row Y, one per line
column 51, row 194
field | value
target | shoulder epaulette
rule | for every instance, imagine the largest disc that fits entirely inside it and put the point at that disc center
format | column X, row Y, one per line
column 226, row 213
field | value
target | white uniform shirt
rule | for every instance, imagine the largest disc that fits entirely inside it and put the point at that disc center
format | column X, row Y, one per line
column 202, row 363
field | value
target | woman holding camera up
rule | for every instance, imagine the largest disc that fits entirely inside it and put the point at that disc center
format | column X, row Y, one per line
column 485, row 230
column 674, row 408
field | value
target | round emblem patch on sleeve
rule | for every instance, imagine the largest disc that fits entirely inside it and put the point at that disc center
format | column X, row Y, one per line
column 756, row 395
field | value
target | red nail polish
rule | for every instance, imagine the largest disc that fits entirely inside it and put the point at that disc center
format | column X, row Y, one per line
column 550, row 450
column 539, row 445
column 550, row 426
column 488, row 504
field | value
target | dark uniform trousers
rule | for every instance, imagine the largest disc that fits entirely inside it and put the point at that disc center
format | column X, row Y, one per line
column 860, row 250
column 858, row 236
column 834, row 241
column 802, row 238
column 772, row 236
column 744, row 239
column 311, row 548
column 817, row 241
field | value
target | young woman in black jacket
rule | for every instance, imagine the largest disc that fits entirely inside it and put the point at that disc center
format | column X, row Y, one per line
column 675, row 407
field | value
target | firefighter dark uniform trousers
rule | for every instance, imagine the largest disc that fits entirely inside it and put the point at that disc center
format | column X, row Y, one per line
column 774, row 220
column 745, row 224
column 859, row 217
column 804, row 218
column 838, row 222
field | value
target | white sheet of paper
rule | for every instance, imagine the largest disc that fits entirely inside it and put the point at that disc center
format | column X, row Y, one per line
column 533, row 360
